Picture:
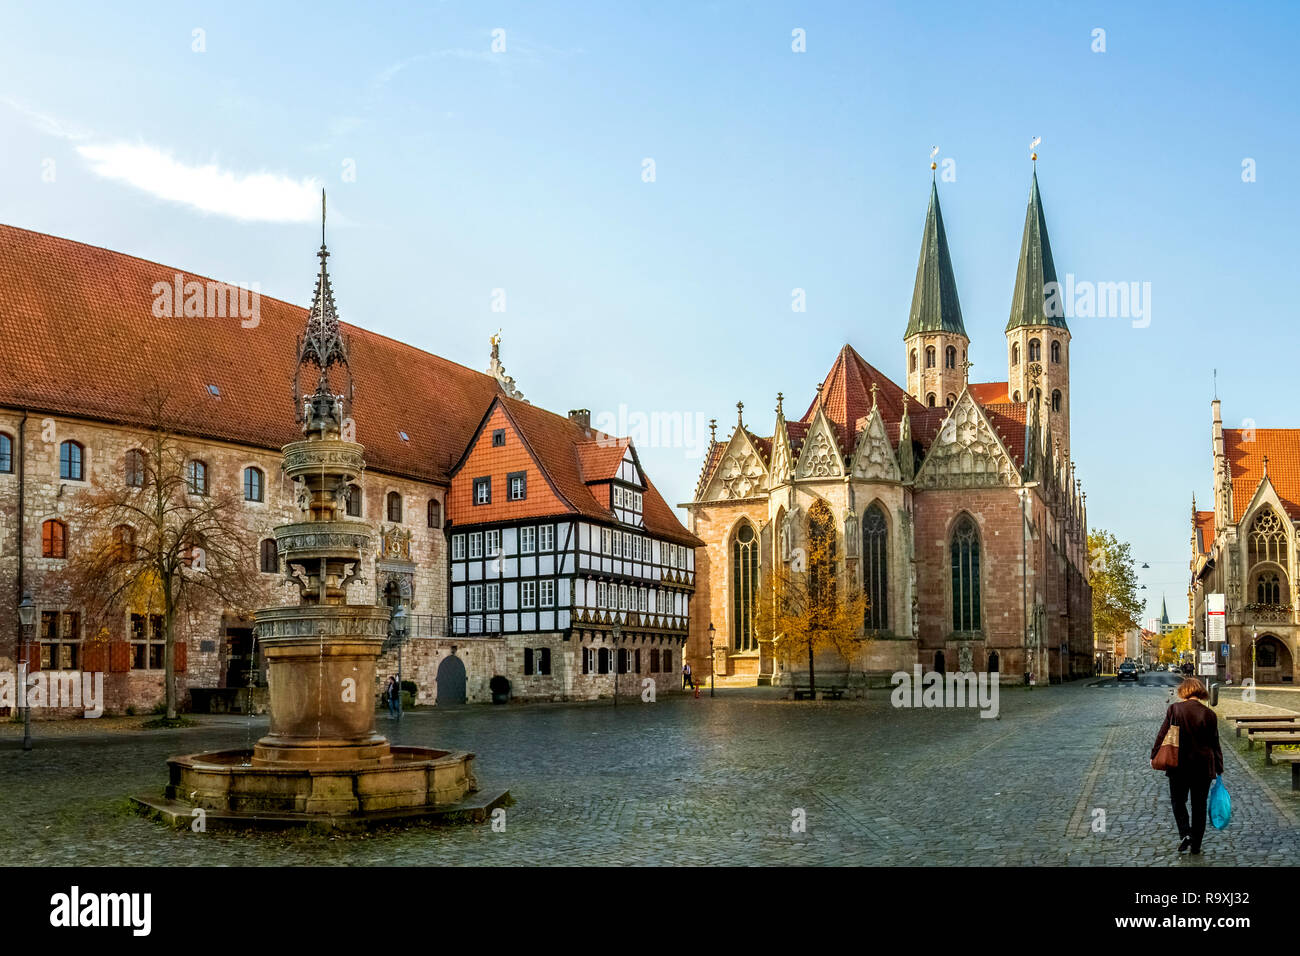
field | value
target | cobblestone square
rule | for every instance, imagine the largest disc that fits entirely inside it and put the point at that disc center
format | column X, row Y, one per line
column 708, row 781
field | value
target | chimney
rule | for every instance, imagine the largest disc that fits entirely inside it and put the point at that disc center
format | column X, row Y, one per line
column 581, row 416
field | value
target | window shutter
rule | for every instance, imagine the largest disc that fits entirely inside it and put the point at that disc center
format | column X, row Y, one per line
column 528, row 660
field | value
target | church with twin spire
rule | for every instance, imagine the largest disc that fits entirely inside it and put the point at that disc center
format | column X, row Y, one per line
column 951, row 505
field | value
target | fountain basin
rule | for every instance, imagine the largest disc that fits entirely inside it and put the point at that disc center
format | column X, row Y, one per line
column 232, row 789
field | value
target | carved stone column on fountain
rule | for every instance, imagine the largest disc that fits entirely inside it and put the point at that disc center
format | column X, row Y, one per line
column 321, row 654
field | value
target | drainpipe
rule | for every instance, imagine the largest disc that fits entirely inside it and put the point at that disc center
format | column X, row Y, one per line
column 22, row 497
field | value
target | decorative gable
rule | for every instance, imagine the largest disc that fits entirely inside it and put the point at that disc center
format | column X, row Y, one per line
column 740, row 472
column 967, row 452
column 820, row 456
column 874, row 460
column 782, row 464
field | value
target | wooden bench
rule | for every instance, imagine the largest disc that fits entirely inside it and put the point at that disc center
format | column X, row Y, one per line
column 1270, row 737
column 1279, row 724
column 1261, row 719
column 830, row 686
column 1293, row 758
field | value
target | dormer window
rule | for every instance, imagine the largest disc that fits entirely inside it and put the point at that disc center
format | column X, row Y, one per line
column 498, row 437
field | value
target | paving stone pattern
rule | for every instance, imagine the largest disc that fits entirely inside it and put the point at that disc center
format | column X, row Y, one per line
column 705, row 782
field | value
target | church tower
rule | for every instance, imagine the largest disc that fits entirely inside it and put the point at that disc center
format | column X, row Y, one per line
column 936, row 339
column 1038, row 340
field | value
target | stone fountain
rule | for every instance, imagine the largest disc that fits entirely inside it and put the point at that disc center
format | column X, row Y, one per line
column 322, row 761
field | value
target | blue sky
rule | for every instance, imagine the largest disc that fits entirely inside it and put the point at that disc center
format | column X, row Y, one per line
column 523, row 170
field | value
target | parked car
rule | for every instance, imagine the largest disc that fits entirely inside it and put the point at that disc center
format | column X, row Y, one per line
column 1128, row 671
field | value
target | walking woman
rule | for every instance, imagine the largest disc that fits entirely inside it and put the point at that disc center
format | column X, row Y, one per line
column 1199, row 759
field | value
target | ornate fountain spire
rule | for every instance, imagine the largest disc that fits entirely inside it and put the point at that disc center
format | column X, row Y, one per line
column 321, row 345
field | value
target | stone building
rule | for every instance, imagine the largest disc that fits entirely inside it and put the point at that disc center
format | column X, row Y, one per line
column 90, row 334
column 1247, row 548
column 954, row 505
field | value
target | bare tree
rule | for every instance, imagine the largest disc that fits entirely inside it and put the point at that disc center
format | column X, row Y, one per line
column 155, row 537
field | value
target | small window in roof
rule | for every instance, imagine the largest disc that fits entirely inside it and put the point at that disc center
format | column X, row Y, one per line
column 214, row 391
column 403, row 436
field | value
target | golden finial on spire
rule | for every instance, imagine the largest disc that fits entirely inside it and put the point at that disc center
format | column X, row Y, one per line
column 934, row 151
column 1033, row 147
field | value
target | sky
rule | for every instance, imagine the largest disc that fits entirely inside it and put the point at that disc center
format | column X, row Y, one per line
column 631, row 192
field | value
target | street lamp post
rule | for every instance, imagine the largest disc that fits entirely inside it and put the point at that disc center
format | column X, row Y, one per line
column 712, row 631
column 616, row 632
column 399, row 631
column 26, row 615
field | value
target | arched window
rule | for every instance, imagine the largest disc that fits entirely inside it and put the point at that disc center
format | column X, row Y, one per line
column 435, row 513
column 1035, row 350
column 875, row 568
column 965, row 576
column 270, row 556
column 929, row 399
column 1015, row 353
column 394, row 506
column 253, row 484
column 124, row 542
column 1268, row 588
column 54, row 539
column 6, row 454
column 1056, row 353
column 196, row 477
column 135, row 468
column 71, row 457
column 950, row 401
column 1056, row 400
column 1015, row 397
column 354, row 501
column 993, row 662
column 912, row 362
column 744, row 588
column 929, row 356
column 950, row 357
column 821, row 560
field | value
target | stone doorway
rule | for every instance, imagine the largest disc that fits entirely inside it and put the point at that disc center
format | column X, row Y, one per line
column 451, row 681
column 240, row 661
column 1273, row 663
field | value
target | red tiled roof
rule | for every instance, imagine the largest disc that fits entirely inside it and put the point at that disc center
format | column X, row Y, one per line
column 572, row 455
column 990, row 393
column 1246, row 450
column 1204, row 524
column 80, row 339
column 846, row 396
column 1008, row 420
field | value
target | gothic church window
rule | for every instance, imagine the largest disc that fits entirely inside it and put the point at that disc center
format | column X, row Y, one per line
column 821, row 558
column 929, row 356
column 965, row 576
column 1035, row 350
column 744, row 588
column 950, row 357
column 1056, row 353
column 875, row 568
column 1056, row 400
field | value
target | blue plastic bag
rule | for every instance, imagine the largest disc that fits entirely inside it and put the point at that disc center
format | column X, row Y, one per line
column 1220, row 804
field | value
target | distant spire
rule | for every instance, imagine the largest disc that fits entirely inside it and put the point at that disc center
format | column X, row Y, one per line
column 1164, row 611
column 1035, row 272
column 935, row 307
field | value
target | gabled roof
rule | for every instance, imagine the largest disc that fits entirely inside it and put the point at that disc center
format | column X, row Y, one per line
column 846, row 397
column 571, row 456
column 1246, row 450
column 1034, row 271
column 1204, row 529
column 935, row 307
column 1008, row 420
column 80, row 339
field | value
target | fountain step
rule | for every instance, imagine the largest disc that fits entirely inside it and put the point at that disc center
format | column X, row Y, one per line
column 477, row 807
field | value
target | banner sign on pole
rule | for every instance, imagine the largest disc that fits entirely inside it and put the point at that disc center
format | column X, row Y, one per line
column 1216, row 618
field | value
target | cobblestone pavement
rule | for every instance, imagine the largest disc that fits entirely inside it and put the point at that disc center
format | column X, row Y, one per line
column 707, row 781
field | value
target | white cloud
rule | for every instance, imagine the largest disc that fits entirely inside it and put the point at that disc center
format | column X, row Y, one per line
column 249, row 197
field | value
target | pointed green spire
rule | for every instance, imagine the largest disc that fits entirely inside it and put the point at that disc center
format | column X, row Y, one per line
column 1164, row 611
column 934, row 300
column 1030, row 304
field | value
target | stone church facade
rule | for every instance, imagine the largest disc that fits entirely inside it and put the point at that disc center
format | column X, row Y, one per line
column 1247, row 548
column 955, row 505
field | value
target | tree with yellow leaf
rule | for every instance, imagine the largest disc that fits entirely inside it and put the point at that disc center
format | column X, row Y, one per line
column 157, row 538
column 809, row 604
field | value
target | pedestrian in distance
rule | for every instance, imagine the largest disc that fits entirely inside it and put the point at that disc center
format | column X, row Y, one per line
column 1189, row 753
column 392, row 695
column 687, row 683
